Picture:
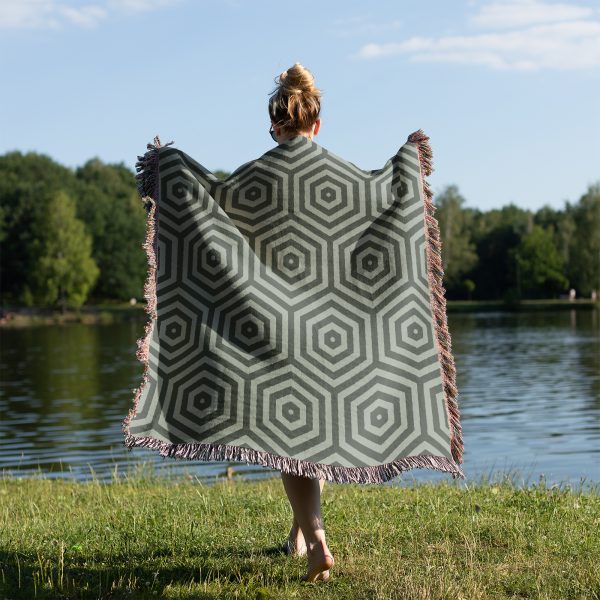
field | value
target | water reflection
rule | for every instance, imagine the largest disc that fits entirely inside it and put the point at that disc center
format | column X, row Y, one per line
column 529, row 395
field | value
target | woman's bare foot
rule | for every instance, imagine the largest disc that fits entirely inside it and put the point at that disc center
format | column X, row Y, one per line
column 320, row 560
column 296, row 541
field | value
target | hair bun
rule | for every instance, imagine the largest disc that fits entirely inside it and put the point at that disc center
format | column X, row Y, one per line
column 295, row 103
column 297, row 80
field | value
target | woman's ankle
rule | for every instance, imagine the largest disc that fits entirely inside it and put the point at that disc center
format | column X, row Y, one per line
column 316, row 541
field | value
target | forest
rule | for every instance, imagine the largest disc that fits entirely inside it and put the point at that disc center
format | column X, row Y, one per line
column 70, row 237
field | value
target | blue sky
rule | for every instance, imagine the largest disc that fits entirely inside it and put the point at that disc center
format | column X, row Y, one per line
column 508, row 91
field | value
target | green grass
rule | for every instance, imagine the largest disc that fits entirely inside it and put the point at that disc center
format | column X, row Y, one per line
column 147, row 536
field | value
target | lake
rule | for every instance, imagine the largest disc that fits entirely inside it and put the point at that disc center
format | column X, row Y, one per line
column 529, row 396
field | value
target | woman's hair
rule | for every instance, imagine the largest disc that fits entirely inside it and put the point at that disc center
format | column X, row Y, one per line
column 295, row 104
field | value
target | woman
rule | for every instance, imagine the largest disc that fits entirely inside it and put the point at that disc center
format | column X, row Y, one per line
column 294, row 109
column 292, row 267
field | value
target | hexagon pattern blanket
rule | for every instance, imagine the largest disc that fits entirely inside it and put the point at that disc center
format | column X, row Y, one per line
column 297, row 317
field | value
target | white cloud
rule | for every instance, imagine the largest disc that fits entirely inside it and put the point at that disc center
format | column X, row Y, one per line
column 138, row 5
column 553, row 36
column 519, row 13
column 55, row 14
column 86, row 16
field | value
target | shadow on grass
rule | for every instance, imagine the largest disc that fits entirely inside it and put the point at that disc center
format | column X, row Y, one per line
column 28, row 576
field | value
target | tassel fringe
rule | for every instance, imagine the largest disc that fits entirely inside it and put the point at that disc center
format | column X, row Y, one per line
column 295, row 466
column 438, row 300
column 147, row 186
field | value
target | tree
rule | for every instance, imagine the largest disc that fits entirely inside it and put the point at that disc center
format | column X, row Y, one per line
column 562, row 226
column 458, row 251
column 540, row 265
column 220, row 174
column 496, row 232
column 469, row 286
column 110, row 206
column 584, row 251
column 25, row 181
column 65, row 270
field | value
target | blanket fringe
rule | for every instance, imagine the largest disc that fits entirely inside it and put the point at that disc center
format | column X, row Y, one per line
column 438, row 300
column 296, row 466
column 147, row 186
column 148, row 189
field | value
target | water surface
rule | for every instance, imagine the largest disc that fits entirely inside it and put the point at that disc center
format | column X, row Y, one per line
column 529, row 396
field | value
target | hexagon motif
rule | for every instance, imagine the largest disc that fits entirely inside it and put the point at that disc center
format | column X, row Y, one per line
column 369, row 264
column 380, row 416
column 377, row 416
column 254, row 193
column 413, row 331
column 289, row 411
column 293, row 412
column 248, row 332
column 409, row 333
column 290, row 260
column 203, row 400
column 216, row 263
column 342, row 194
column 179, row 188
column 177, row 330
column 332, row 334
column 328, row 194
column 255, row 197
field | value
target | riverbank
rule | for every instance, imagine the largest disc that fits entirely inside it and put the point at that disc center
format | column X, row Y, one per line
column 111, row 313
column 151, row 537
column 95, row 314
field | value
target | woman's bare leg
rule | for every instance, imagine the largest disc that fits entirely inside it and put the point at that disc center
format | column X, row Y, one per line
column 305, row 497
column 295, row 536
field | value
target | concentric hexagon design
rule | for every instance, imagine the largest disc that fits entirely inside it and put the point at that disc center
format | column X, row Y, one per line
column 328, row 195
column 371, row 265
column 293, row 309
column 331, row 337
column 255, row 197
column 291, row 260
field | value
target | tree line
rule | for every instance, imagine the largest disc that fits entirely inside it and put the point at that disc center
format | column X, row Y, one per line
column 74, row 236
column 513, row 253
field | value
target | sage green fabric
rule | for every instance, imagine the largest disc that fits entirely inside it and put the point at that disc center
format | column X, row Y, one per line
column 293, row 310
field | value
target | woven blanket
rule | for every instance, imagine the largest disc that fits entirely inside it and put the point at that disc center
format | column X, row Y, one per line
column 296, row 315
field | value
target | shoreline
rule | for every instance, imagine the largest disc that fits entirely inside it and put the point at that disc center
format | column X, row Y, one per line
column 97, row 314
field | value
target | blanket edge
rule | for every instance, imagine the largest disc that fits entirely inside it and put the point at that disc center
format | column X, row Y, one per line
column 147, row 187
column 437, row 297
